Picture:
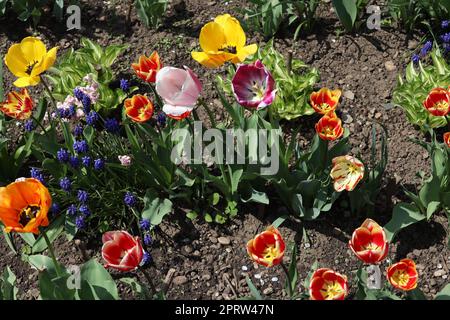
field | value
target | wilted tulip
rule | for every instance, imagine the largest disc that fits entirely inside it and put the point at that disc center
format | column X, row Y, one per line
column 369, row 242
column 121, row 251
column 438, row 102
column 346, row 172
column 327, row 284
column 179, row 89
column 325, row 100
column 329, row 127
column 267, row 248
column 253, row 86
column 403, row 275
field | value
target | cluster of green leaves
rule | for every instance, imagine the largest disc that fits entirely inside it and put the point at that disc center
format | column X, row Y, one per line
column 414, row 13
column 414, row 87
column 294, row 79
column 33, row 9
column 433, row 197
column 151, row 12
column 270, row 15
column 349, row 12
column 90, row 59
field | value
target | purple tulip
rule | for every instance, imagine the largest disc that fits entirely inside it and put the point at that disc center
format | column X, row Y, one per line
column 253, row 86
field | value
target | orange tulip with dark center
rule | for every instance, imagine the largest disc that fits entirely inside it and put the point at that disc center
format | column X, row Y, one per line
column 18, row 105
column 369, row 242
column 325, row 100
column 329, row 127
column 267, row 248
column 327, row 284
column 24, row 205
column 438, row 102
column 447, row 139
column 147, row 67
column 138, row 108
column 403, row 275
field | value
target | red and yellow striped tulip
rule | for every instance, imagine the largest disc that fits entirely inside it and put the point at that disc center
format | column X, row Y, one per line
column 369, row 243
column 438, row 102
column 329, row 127
column 18, row 105
column 403, row 275
column 325, row 100
column 148, row 67
column 327, row 284
column 346, row 172
column 267, row 248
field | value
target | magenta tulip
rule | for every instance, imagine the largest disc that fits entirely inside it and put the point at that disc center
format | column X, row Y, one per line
column 253, row 86
column 179, row 89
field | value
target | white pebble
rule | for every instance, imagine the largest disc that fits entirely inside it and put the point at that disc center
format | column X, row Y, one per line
column 257, row 276
column 274, row 279
column 244, row 268
column 261, row 281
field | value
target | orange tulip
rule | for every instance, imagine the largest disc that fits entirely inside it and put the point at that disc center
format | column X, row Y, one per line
column 325, row 100
column 329, row 127
column 327, row 284
column 267, row 248
column 447, row 138
column 18, row 105
column 147, row 68
column 369, row 243
column 403, row 275
column 138, row 108
column 24, row 205
column 438, row 102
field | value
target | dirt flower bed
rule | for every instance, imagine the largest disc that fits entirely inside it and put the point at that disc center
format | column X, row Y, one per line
column 114, row 174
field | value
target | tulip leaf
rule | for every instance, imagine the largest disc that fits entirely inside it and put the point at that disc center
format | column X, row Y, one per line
column 7, row 285
column 444, row 294
column 404, row 214
column 346, row 11
column 155, row 208
column 255, row 292
column 53, row 231
column 138, row 289
column 292, row 272
column 96, row 283
column 55, row 287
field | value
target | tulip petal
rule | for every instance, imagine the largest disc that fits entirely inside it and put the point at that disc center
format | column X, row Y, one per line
column 15, row 61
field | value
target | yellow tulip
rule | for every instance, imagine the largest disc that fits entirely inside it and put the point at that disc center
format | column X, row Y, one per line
column 223, row 40
column 28, row 59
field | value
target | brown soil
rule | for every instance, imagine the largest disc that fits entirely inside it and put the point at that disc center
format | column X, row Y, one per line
column 206, row 269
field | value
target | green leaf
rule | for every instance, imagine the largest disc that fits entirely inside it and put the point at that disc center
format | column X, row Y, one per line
column 8, row 288
column 255, row 292
column 444, row 294
column 292, row 271
column 346, row 11
column 96, row 283
column 404, row 214
column 138, row 289
column 53, row 231
column 2, row 91
column 155, row 208
column 54, row 287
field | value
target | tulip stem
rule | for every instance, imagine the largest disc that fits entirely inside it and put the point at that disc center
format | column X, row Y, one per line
column 52, row 253
column 209, row 112
column 49, row 92
column 149, row 280
column 39, row 124
column 288, row 280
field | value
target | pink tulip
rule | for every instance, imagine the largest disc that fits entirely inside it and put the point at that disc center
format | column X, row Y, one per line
column 253, row 86
column 121, row 250
column 179, row 89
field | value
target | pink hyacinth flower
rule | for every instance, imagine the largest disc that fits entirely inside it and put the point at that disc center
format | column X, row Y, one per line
column 179, row 89
column 253, row 86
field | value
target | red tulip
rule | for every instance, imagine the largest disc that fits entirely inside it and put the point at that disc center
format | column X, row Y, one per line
column 267, row 248
column 403, row 275
column 329, row 127
column 121, row 250
column 325, row 100
column 369, row 242
column 438, row 102
column 327, row 284
column 147, row 68
column 447, row 139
